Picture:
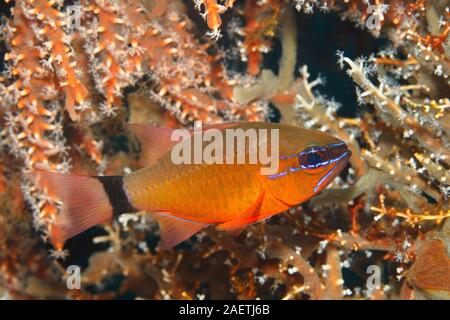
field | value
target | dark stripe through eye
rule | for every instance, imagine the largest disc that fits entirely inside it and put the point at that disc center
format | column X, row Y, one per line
column 314, row 157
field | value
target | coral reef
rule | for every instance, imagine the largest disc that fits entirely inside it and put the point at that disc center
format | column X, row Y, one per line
column 75, row 74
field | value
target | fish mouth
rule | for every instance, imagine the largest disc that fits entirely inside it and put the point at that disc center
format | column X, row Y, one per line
column 339, row 154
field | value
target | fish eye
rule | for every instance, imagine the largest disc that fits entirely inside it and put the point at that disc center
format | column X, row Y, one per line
column 314, row 159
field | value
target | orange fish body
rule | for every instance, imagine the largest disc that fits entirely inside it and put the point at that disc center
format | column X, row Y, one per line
column 185, row 198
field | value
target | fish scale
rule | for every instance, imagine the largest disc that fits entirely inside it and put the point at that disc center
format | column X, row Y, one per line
column 205, row 181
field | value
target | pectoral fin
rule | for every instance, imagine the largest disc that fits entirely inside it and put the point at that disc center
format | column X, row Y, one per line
column 174, row 230
column 248, row 216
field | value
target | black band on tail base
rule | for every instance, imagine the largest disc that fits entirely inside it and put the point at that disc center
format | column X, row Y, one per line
column 113, row 186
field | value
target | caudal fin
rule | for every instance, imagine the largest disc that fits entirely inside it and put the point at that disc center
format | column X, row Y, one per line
column 85, row 202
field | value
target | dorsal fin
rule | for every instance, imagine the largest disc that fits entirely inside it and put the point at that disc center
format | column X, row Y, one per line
column 220, row 126
column 174, row 230
column 156, row 141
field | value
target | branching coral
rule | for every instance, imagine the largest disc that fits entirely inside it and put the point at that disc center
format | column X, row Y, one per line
column 65, row 97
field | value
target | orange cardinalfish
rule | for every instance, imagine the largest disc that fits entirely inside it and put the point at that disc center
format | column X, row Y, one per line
column 185, row 198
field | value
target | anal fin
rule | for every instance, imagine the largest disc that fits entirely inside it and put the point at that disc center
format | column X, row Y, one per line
column 174, row 230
